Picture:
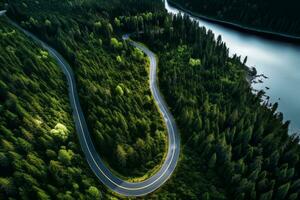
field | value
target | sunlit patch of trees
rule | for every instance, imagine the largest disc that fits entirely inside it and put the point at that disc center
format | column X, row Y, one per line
column 112, row 79
column 40, row 157
column 234, row 145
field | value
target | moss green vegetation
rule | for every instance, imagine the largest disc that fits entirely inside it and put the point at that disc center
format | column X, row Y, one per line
column 270, row 15
column 111, row 77
column 40, row 157
column 234, row 146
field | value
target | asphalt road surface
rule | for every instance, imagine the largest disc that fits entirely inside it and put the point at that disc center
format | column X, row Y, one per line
column 2, row 12
column 96, row 164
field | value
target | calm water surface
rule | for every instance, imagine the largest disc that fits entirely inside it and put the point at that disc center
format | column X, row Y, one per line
column 279, row 61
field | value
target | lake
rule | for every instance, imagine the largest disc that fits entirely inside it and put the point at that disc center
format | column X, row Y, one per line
column 279, row 61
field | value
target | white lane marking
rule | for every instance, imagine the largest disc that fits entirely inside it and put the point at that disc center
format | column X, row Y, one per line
column 157, row 99
column 156, row 96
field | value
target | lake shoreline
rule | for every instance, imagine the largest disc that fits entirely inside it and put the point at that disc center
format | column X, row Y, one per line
column 275, row 60
column 258, row 32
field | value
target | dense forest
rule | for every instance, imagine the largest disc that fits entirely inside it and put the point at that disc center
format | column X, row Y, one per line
column 40, row 157
column 270, row 15
column 234, row 146
column 111, row 76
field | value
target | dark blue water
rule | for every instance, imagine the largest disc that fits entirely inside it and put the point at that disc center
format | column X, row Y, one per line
column 279, row 61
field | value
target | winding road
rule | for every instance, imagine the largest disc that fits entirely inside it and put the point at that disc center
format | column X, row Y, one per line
column 96, row 164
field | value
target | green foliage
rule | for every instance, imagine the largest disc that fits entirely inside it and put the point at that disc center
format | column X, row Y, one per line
column 94, row 193
column 265, row 15
column 36, row 161
column 234, row 145
column 119, row 59
column 282, row 191
column 6, row 185
column 138, row 54
column 195, row 62
column 65, row 156
column 115, row 43
column 119, row 90
column 48, row 23
column 111, row 76
column 117, row 22
column 98, row 24
column 60, row 131
column 121, row 155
